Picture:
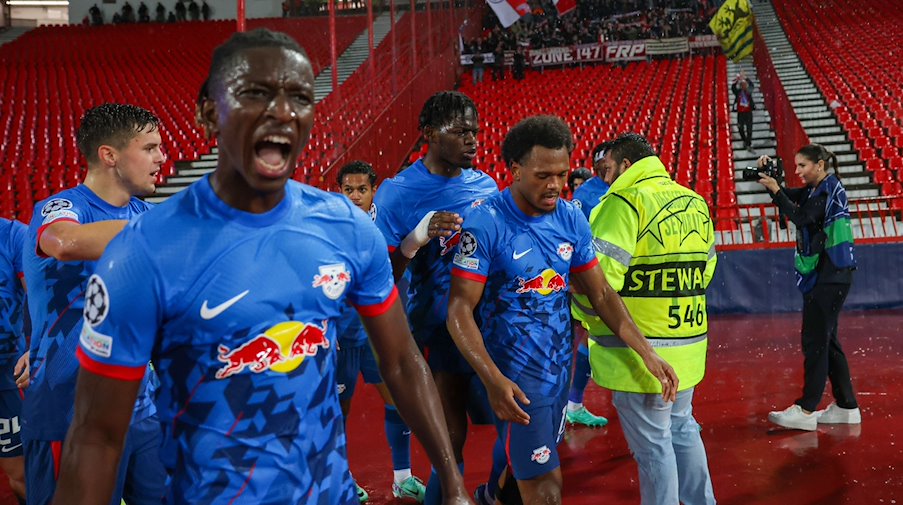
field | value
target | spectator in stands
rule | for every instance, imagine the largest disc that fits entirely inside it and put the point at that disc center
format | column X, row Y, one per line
column 824, row 271
column 498, row 63
column 744, row 106
column 143, row 13
column 194, row 11
column 520, row 63
column 128, row 13
column 171, row 18
column 205, row 11
column 180, row 10
column 161, row 13
column 478, row 67
column 96, row 15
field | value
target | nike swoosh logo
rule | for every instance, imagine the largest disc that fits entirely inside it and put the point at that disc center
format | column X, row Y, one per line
column 10, row 448
column 518, row 255
column 208, row 313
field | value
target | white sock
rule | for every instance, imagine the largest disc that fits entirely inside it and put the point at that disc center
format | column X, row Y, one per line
column 574, row 407
column 402, row 475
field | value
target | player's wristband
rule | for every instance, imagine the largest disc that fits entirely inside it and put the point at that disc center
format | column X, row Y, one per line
column 418, row 237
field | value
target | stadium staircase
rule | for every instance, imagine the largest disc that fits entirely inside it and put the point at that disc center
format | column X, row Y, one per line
column 12, row 33
column 804, row 68
column 187, row 172
column 763, row 138
column 811, row 106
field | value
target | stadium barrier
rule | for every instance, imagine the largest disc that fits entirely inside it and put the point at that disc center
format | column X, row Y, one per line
column 755, row 260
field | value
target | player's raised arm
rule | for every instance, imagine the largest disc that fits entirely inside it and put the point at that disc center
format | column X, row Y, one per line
column 409, row 380
column 503, row 393
column 71, row 241
column 103, row 409
column 610, row 307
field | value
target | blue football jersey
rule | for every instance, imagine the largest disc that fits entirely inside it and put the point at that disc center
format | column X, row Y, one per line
column 56, row 296
column 401, row 203
column 12, row 298
column 349, row 328
column 588, row 194
column 238, row 311
column 525, row 263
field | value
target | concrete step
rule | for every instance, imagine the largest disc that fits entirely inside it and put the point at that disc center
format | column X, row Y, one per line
column 800, row 103
column 824, row 130
column 170, row 189
column 825, row 113
column 827, row 139
column 196, row 172
column 204, row 163
column 814, row 122
column 180, row 180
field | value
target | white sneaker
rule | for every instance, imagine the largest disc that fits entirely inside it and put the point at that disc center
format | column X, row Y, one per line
column 837, row 415
column 793, row 417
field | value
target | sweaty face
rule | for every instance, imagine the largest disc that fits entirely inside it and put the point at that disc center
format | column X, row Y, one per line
column 262, row 112
column 538, row 181
column 138, row 163
column 456, row 142
column 358, row 189
column 809, row 171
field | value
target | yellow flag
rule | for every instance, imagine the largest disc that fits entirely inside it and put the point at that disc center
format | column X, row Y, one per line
column 733, row 25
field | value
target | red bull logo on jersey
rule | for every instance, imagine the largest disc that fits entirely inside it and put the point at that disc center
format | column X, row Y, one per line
column 333, row 279
column 281, row 348
column 548, row 282
column 448, row 244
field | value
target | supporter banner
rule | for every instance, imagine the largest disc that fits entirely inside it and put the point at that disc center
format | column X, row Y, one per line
column 667, row 46
column 613, row 51
column 586, row 53
column 701, row 41
column 626, row 50
column 733, row 24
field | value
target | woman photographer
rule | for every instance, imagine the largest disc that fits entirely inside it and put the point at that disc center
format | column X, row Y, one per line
column 824, row 265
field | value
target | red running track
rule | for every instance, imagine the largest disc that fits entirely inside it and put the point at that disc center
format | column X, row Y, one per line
column 755, row 366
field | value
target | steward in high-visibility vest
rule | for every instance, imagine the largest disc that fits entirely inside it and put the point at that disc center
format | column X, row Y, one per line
column 655, row 242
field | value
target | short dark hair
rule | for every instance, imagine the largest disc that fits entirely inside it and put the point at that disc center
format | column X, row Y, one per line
column 357, row 167
column 547, row 131
column 580, row 173
column 226, row 52
column 113, row 124
column 445, row 106
column 630, row 146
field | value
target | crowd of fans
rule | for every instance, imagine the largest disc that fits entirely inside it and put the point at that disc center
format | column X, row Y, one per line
column 594, row 21
column 184, row 10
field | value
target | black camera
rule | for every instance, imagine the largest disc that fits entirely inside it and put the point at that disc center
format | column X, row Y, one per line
column 773, row 168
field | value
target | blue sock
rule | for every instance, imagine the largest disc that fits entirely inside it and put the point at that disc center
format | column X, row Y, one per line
column 499, row 462
column 399, row 436
column 581, row 375
column 434, row 487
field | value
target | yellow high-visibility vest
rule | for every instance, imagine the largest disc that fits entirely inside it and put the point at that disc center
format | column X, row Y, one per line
column 656, row 244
